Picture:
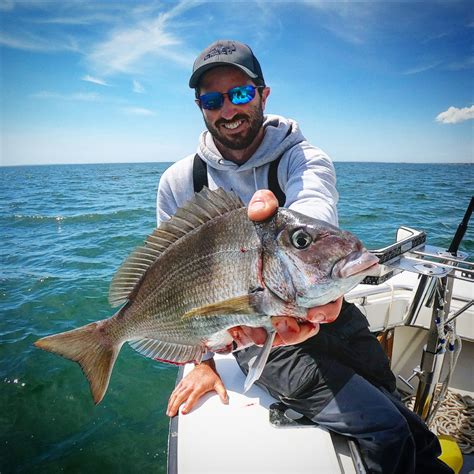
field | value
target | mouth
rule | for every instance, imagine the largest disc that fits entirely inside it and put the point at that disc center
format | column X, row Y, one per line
column 356, row 263
column 233, row 125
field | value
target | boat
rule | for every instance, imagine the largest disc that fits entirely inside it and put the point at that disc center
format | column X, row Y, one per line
column 422, row 309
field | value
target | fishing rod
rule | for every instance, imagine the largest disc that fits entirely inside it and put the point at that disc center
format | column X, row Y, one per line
column 461, row 230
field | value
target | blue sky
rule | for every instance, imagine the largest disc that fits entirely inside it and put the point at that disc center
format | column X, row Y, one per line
column 106, row 81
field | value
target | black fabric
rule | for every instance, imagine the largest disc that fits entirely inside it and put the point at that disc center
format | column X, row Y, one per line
column 199, row 174
column 200, row 178
column 347, row 340
column 273, row 184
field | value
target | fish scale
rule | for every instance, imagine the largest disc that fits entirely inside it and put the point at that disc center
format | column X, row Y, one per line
column 206, row 270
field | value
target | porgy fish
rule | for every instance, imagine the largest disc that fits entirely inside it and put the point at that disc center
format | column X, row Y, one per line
column 210, row 268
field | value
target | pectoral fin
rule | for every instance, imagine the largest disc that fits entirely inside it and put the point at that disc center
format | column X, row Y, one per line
column 239, row 305
column 257, row 363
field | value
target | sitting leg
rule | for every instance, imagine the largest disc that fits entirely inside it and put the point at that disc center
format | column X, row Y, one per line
column 336, row 397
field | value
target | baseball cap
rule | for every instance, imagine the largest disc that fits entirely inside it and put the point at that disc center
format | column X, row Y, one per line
column 226, row 53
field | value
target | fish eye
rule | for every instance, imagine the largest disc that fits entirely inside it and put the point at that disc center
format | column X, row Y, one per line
column 301, row 239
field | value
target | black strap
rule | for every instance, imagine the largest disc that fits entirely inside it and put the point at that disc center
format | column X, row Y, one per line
column 199, row 174
column 200, row 178
column 273, row 184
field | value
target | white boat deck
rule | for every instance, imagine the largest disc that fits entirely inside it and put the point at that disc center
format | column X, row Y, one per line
column 250, row 442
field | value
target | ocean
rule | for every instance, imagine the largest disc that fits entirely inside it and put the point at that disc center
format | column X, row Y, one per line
column 65, row 230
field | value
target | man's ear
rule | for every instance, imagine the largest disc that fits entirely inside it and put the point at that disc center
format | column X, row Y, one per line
column 265, row 94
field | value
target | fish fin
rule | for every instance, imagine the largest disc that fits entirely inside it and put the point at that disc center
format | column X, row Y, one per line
column 257, row 363
column 168, row 351
column 85, row 345
column 238, row 305
column 203, row 207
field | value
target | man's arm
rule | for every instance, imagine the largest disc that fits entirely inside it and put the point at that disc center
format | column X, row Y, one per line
column 309, row 180
column 204, row 377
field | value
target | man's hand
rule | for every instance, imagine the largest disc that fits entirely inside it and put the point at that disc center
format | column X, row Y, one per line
column 288, row 330
column 202, row 379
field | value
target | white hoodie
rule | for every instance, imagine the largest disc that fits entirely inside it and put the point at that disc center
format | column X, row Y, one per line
column 306, row 174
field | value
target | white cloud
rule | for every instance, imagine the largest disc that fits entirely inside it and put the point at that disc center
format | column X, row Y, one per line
column 78, row 96
column 126, row 48
column 138, row 111
column 455, row 115
column 422, row 68
column 350, row 21
column 94, row 80
column 32, row 42
column 137, row 87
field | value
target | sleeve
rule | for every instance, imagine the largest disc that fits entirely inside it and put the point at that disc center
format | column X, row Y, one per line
column 166, row 204
column 310, row 183
column 174, row 189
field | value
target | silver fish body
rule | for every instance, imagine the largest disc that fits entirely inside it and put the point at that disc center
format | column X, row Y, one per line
column 207, row 269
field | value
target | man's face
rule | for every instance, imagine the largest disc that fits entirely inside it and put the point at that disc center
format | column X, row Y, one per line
column 233, row 126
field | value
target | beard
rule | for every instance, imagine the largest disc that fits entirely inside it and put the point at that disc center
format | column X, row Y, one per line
column 243, row 140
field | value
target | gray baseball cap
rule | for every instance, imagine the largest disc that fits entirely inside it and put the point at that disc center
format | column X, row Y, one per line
column 226, row 53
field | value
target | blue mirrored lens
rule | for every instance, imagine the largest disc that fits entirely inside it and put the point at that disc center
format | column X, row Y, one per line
column 241, row 95
column 212, row 100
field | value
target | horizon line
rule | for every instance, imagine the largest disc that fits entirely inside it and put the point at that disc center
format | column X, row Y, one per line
column 171, row 162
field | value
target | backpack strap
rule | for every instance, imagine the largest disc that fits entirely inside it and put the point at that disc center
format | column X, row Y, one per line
column 273, row 184
column 199, row 174
column 200, row 178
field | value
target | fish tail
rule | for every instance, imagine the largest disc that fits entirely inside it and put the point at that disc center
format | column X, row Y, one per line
column 92, row 348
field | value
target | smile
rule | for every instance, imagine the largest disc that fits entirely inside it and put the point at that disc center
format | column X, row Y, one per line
column 232, row 125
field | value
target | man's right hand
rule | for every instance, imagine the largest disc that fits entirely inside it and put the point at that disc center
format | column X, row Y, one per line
column 202, row 379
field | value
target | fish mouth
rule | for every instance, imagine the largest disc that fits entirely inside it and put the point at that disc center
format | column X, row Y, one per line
column 356, row 263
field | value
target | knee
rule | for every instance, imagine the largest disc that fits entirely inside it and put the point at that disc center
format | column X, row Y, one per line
column 390, row 430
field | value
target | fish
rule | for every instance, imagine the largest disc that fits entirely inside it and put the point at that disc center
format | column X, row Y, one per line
column 208, row 269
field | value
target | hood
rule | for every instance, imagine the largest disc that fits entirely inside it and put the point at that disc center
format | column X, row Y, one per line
column 280, row 135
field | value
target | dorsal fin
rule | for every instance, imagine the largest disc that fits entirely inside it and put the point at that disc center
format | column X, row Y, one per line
column 203, row 207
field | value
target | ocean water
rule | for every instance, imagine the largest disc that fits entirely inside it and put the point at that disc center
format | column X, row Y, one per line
column 64, row 232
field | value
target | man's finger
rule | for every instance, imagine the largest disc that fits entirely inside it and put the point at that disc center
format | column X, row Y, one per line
column 257, row 335
column 290, row 331
column 222, row 392
column 175, row 402
column 326, row 313
column 262, row 205
column 192, row 399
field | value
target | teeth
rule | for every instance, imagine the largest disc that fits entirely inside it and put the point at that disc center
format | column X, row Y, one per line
column 232, row 125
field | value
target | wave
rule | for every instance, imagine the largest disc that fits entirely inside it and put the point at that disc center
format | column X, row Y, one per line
column 81, row 218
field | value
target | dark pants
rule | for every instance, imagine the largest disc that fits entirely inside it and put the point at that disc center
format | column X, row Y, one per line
column 341, row 379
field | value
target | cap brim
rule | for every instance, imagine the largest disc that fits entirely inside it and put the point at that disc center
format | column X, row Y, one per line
column 196, row 76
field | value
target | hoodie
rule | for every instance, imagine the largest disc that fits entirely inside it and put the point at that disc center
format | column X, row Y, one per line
column 306, row 174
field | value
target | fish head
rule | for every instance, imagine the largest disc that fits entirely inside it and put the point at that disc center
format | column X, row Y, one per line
column 310, row 262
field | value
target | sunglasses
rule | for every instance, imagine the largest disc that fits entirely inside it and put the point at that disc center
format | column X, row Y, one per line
column 237, row 95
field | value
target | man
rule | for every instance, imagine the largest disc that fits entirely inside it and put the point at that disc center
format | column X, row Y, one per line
column 336, row 374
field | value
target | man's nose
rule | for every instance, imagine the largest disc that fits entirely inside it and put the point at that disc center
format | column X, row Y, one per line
column 228, row 109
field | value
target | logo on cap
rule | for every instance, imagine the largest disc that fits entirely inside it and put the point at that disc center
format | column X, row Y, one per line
column 220, row 49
